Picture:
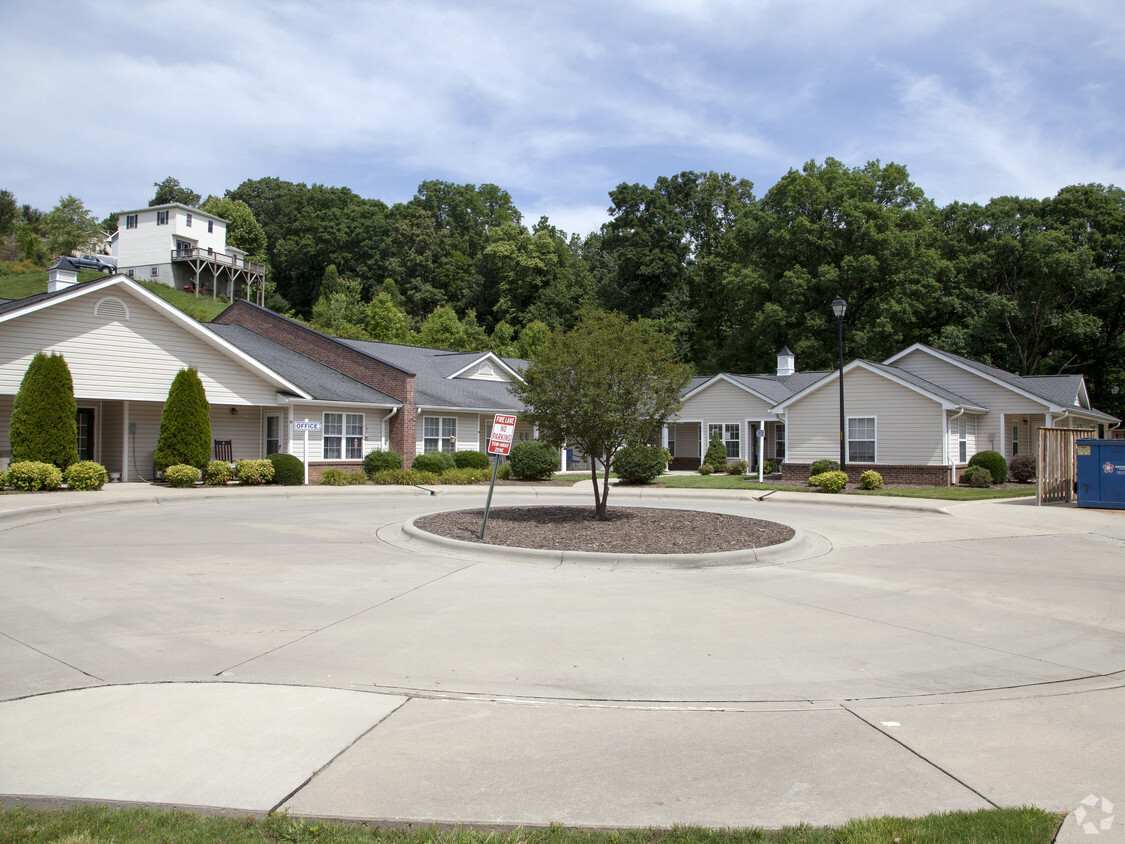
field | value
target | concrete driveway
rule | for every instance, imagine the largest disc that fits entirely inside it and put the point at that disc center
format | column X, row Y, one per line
column 257, row 650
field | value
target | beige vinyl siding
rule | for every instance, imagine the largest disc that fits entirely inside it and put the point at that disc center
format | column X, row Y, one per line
column 293, row 442
column 999, row 400
column 721, row 403
column 687, row 439
column 134, row 359
column 908, row 426
column 142, row 444
column 246, row 430
column 108, row 425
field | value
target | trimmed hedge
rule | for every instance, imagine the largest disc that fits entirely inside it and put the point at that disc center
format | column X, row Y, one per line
column 34, row 475
column 85, row 476
column 218, row 473
column 870, row 479
column 182, row 475
column 819, row 467
column 993, row 461
column 471, row 460
column 639, row 464
column 379, row 461
column 977, row 476
column 434, row 461
column 534, row 460
column 254, row 472
column 737, row 467
column 287, row 469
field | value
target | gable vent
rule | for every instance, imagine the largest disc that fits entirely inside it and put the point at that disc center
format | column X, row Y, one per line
column 111, row 308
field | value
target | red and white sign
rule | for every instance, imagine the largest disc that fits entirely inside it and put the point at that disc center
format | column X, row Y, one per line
column 503, row 432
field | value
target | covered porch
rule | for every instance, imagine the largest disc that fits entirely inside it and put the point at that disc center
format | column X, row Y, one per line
column 752, row 440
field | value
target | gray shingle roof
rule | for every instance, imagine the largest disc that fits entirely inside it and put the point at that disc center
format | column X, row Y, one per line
column 929, row 386
column 321, row 382
column 433, row 386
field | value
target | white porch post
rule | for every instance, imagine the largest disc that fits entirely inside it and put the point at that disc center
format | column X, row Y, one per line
column 124, row 442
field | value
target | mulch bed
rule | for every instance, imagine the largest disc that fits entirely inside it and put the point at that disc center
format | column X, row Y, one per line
column 626, row 530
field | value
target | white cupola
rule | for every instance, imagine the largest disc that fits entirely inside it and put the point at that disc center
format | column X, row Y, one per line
column 786, row 362
column 62, row 275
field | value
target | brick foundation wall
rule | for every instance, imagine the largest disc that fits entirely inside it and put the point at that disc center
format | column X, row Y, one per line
column 919, row 475
column 316, row 470
column 378, row 375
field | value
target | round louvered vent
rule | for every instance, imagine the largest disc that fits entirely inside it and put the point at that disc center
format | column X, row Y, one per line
column 111, row 308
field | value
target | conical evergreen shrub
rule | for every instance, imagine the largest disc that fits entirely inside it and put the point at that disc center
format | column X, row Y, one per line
column 716, row 452
column 185, row 424
column 43, row 425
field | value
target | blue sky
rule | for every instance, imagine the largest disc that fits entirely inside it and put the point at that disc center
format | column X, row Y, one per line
column 555, row 102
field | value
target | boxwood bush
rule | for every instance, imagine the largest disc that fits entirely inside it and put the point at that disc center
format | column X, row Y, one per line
column 181, row 475
column 639, row 464
column 993, row 461
column 977, row 476
column 434, row 461
column 471, row 460
column 34, row 475
column 819, row 467
column 737, row 467
column 218, row 473
column 870, row 479
column 706, row 469
column 86, row 475
column 379, row 460
column 533, row 460
column 288, row 470
column 1022, row 468
column 833, row 481
column 253, row 472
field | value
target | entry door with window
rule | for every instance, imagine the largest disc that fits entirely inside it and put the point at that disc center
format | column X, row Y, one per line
column 85, row 420
column 273, row 434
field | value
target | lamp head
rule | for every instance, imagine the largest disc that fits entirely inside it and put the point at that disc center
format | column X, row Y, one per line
column 839, row 307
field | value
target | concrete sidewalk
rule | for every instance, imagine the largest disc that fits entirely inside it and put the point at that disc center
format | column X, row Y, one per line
column 255, row 650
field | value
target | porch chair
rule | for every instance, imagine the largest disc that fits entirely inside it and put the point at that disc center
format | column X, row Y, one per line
column 224, row 450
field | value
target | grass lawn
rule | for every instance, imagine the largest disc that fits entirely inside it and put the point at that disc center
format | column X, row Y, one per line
column 942, row 493
column 94, row 825
column 29, row 284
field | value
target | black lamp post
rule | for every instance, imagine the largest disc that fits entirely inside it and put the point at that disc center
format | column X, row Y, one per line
column 839, row 307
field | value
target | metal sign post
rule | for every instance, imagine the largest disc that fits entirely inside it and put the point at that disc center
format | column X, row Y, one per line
column 761, row 452
column 499, row 444
column 306, row 426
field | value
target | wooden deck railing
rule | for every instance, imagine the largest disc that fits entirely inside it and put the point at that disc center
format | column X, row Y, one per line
column 232, row 261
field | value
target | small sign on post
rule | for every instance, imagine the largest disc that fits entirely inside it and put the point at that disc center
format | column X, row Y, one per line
column 499, row 445
column 306, row 426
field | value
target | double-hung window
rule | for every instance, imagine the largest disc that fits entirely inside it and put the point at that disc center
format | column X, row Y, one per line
column 439, row 433
column 187, row 221
column 729, row 432
column 779, row 441
column 672, row 440
column 861, row 439
column 210, row 226
column 161, row 218
column 962, row 440
column 130, row 221
column 343, row 436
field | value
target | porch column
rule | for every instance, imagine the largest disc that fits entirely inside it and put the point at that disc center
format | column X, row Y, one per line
column 124, row 442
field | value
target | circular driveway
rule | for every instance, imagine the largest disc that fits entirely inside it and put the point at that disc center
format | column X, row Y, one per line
column 1000, row 597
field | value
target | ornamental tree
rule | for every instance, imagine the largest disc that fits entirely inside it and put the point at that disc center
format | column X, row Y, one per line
column 607, row 383
column 44, row 427
column 185, row 424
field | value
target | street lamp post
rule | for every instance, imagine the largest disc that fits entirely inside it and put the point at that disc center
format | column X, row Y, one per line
column 839, row 307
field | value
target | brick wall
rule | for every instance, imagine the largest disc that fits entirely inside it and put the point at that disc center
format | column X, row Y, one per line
column 365, row 369
column 919, row 475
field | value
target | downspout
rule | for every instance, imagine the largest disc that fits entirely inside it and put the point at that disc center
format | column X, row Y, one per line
column 948, row 434
column 384, row 432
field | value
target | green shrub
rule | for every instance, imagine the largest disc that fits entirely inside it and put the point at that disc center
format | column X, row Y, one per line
column 819, row 467
column 737, row 467
column 716, row 453
column 343, row 477
column 254, row 472
column 639, row 464
column 379, row 460
column 977, row 476
column 3, row 479
column 705, row 469
column 182, row 475
column 86, row 475
column 34, row 475
column 870, row 479
column 504, row 473
column 217, row 473
column 287, row 469
column 770, row 466
column 533, row 460
column 833, row 481
column 471, row 460
column 405, row 477
column 1022, row 468
column 993, row 461
column 185, row 424
column 465, row 476
column 434, row 461
column 43, row 427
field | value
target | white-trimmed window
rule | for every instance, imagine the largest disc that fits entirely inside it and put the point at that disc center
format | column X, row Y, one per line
column 672, row 440
column 130, row 221
column 962, row 440
column 187, row 221
column 779, row 441
column 729, row 431
column 161, row 218
column 439, row 433
column 210, row 226
column 1015, row 438
column 861, row 439
column 343, row 436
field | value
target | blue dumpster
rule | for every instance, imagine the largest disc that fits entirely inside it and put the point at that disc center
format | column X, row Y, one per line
column 1101, row 474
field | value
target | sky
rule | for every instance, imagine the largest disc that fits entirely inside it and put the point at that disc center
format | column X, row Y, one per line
column 556, row 102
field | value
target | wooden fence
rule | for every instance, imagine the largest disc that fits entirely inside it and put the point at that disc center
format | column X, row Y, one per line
column 1057, row 473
